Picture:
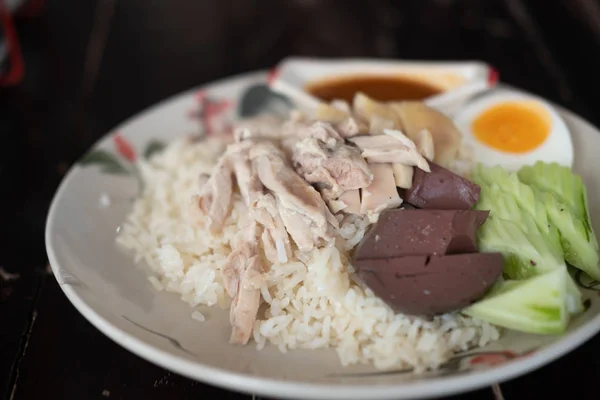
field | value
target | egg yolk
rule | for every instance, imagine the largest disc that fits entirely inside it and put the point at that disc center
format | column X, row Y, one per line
column 513, row 127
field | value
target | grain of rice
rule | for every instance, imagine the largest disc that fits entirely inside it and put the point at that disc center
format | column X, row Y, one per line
column 198, row 316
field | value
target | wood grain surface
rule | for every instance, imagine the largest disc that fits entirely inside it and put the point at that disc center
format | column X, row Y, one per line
column 78, row 86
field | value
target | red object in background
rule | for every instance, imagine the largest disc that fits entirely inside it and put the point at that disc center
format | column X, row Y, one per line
column 493, row 76
column 31, row 9
column 16, row 65
column 272, row 75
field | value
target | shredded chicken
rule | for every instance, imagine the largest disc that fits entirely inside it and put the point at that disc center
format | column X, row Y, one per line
column 244, row 307
column 338, row 167
column 325, row 132
column 261, row 206
column 293, row 176
column 214, row 200
column 390, row 149
column 295, row 131
column 247, row 180
column 275, row 238
column 350, row 127
column 243, row 274
column 302, row 209
column 351, row 201
column 202, row 179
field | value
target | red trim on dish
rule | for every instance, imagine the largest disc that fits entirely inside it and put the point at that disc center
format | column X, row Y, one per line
column 210, row 110
column 273, row 73
column 492, row 359
column 200, row 96
column 493, row 76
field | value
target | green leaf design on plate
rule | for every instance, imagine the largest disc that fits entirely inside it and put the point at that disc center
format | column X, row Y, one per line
column 155, row 146
column 259, row 99
column 107, row 162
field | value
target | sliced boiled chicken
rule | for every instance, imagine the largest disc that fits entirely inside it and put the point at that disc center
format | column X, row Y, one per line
column 337, row 167
column 261, row 206
column 350, row 127
column 301, row 229
column 214, row 200
column 202, row 179
column 302, row 129
column 230, row 272
column 335, row 206
column 324, row 131
column 244, row 308
column 242, row 276
column 294, row 175
column 295, row 131
column 275, row 239
column 374, row 141
column 351, row 201
column 381, row 194
column 243, row 248
column 390, row 149
column 247, row 179
column 302, row 209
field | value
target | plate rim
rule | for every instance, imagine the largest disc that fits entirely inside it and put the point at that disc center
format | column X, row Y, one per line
column 247, row 383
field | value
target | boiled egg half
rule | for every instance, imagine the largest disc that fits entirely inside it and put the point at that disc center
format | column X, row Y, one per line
column 512, row 129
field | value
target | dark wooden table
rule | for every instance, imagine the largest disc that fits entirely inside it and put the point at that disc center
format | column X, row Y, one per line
column 78, row 85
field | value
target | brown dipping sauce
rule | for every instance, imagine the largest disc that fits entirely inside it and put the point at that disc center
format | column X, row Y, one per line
column 382, row 88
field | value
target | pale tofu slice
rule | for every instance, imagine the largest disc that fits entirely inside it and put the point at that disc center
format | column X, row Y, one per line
column 424, row 142
column 327, row 113
column 403, row 175
column 415, row 116
column 382, row 193
column 367, row 108
column 378, row 125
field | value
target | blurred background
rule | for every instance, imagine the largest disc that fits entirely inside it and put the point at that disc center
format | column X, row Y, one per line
column 70, row 70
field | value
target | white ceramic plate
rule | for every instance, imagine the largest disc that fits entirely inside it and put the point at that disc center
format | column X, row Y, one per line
column 104, row 285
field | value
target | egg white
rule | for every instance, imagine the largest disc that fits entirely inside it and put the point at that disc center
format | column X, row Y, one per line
column 558, row 146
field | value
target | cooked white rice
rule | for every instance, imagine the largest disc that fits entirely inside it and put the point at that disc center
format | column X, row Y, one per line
column 312, row 301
